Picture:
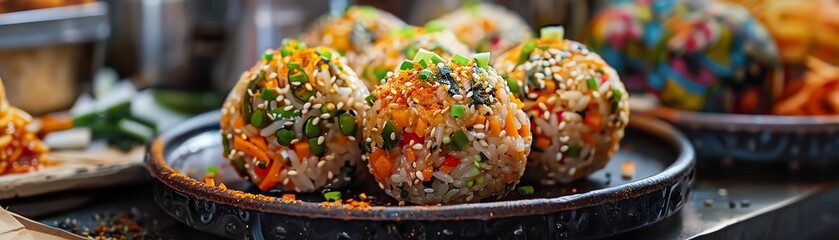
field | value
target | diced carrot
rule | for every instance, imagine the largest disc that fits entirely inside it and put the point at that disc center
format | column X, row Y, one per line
column 525, row 130
column 550, row 88
column 543, row 142
column 593, row 121
column 272, row 178
column 401, row 117
column 411, row 156
column 518, row 102
column 421, row 127
column 225, row 120
column 510, row 125
column 494, row 127
column 446, row 169
column 508, row 178
column 238, row 123
column 426, row 173
column 376, row 154
column 481, row 119
column 249, row 148
column 302, row 149
column 289, row 197
column 382, row 168
column 259, row 142
column 52, row 123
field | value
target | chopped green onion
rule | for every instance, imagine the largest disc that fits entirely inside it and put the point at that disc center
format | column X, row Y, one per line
column 482, row 59
column 434, row 26
column 408, row 31
column 332, row 196
column 470, row 183
column 460, row 59
column 346, row 123
column 617, row 95
column 370, row 99
column 426, row 75
column 268, row 94
column 513, row 84
column 212, row 169
column 261, row 164
column 293, row 66
column 480, row 180
column 407, row 64
column 423, row 54
column 324, row 52
column 458, row 140
column 457, row 111
column 525, row 52
column 317, row 149
column 552, row 32
column 525, row 190
column 422, row 63
column 302, row 94
column 296, row 74
column 285, row 136
column 310, row 129
column 380, row 73
column 473, row 171
column 573, row 151
column 282, row 113
column 437, row 59
column 592, row 84
column 484, row 157
column 268, row 55
column 259, row 119
column 238, row 164
column 389, row 136
column 226, row 143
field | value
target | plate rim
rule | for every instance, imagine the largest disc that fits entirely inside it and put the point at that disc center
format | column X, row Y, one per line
column 684, row 164
column 755, row 122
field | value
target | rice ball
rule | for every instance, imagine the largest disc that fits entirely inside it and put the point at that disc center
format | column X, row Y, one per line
column 353, row 32
column 487, row 27
column 291, row 122
column 445, row 131
column 575, row 101
column 388, row 52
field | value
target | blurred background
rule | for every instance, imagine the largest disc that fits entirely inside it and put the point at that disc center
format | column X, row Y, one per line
column 58, row 46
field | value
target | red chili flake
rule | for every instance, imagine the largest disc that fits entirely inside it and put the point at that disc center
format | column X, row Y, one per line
column 451, row 161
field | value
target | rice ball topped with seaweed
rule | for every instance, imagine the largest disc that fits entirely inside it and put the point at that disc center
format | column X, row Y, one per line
column 575, row 101
column 352, row 33
column 291, row 122
column 445, row 131
column 487, row 27
column 387, row 53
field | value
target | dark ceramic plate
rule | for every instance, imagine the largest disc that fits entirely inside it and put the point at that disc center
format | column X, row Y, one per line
column 602, row 205
column 810, row 140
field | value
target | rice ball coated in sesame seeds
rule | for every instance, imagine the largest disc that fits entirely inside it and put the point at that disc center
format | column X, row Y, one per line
column 487, row 27
column 575, row 101
column 388, row 52
column 422, row 134
column 291, row 121
column 353, row 32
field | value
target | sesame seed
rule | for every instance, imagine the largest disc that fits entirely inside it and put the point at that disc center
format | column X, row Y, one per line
column 393, row 136
column 417, row 146
column 352, row 138
column 558, row 156
column 446, row 139
column 309, row 86
column 292, row 173
column 321, row 163
column 481, row 135
column 288, row 123
column 458, row 97
column 320, row 140
column 325, row 115
column 479, row 126
column 285, row 182
column 316, row 121
column 429, row 190
column 419, row 174
column 329, row 175
column 564, row 148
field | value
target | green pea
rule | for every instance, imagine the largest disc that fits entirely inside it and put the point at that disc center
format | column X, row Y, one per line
column 259, row 119
column 310, row 129
column 285, row 136
column 268, row 94
column 346, row 123
column 317, row 149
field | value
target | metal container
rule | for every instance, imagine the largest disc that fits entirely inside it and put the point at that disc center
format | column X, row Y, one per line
column 46, row 55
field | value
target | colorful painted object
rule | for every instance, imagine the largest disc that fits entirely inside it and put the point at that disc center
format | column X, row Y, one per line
column 694, row 55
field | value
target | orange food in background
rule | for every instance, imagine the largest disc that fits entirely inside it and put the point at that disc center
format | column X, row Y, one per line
column 20, row 150
column 23, row 5
column 816, row 94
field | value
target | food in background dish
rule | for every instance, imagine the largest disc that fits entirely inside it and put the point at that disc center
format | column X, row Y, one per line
column 695, row 55
column 575, row 101
column 291, row 122
column 388, row 52
column 487, row 27
column 445, row 131
column 20, row 150
column 801, row 28
column 352, row 33
column 816, row 94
